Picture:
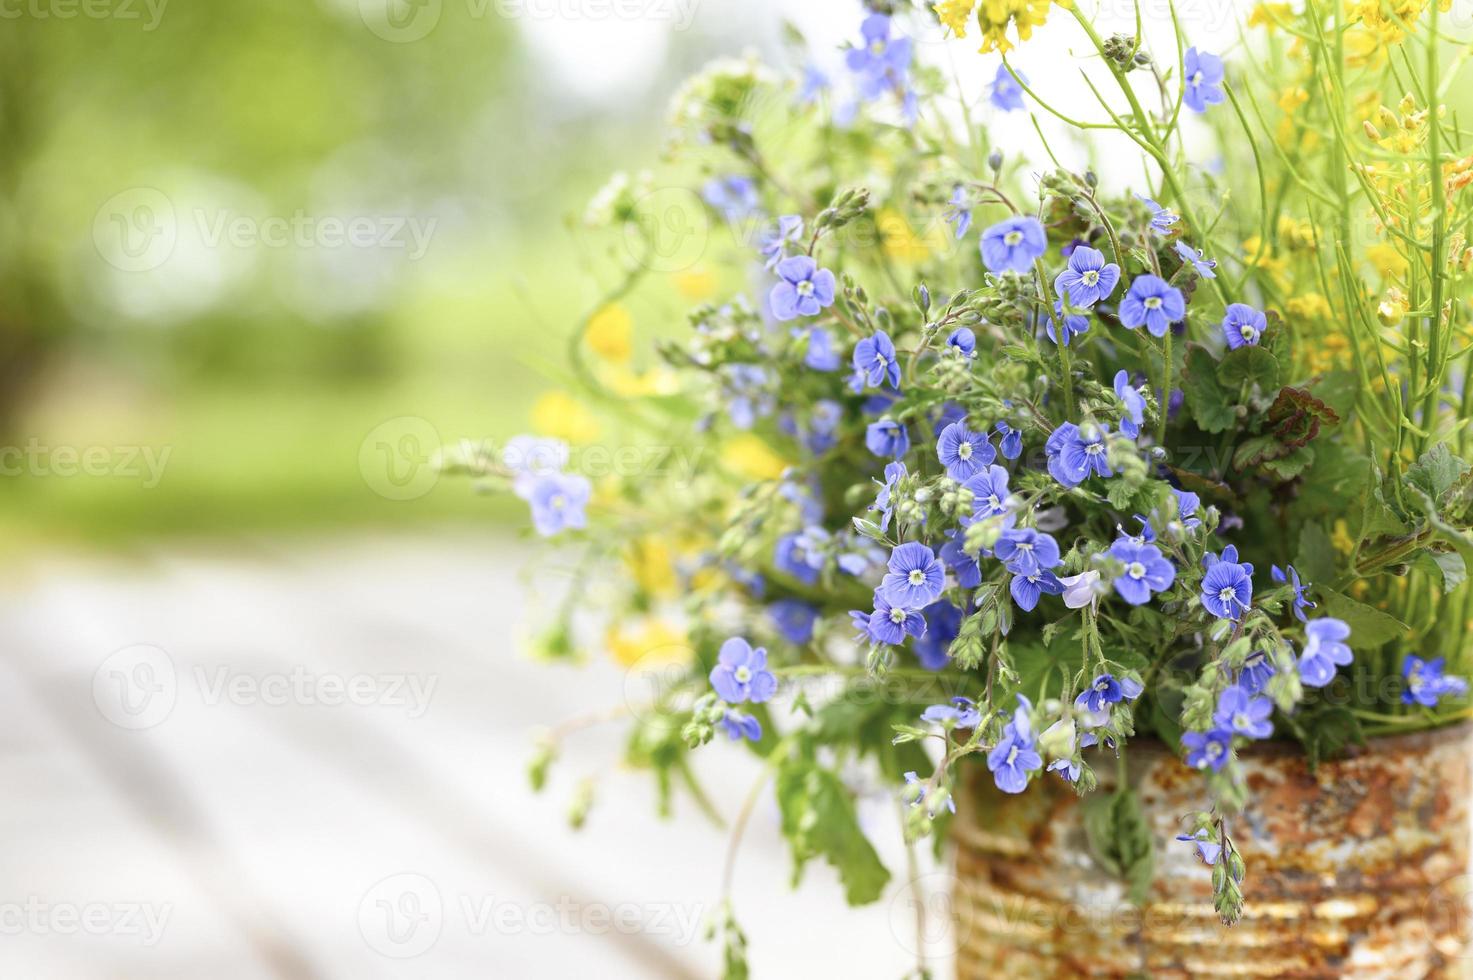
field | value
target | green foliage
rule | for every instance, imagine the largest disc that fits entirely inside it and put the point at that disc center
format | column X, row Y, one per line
column 1120, row 839
column 819, row 820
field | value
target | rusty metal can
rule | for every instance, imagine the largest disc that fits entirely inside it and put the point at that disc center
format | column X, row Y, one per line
column 1356, row 869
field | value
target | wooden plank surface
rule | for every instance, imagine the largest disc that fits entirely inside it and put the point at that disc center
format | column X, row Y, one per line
column 266, row 830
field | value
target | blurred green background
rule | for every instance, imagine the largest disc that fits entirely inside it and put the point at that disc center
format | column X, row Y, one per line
column 176, row 181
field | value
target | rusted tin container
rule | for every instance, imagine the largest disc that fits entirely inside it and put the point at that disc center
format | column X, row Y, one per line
column 1359, row 869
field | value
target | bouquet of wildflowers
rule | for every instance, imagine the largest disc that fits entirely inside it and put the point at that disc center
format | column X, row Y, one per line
column 1024, row 466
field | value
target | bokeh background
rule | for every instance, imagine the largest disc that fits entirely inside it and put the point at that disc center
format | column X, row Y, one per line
column 259, row 261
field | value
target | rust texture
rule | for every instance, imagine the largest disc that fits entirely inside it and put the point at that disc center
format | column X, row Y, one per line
column 1359, row 869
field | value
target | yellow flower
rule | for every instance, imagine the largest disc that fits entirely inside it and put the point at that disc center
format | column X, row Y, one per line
column 954, row 13
column 696, row 285
column 1270, row 16
column 559, row 415
column 1363, row 49
column 652, row 564
column 1310, row 306
column 1387, row 261
column 749, row 456
column 995, row 16
column 898, row 239
column 1292, row 98
column 649, row 643
column 1340, row 537
column 609, row 333
column 1393, row 308
column 658, row 380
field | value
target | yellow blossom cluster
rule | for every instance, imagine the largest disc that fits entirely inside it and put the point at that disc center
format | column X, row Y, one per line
column 994, row 18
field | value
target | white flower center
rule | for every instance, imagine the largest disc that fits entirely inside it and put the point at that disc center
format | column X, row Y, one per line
column 993, row 502
column 877, row 47
column 1090, row 278
column 1136, row 570
column 1095, row 448
column 1248, row 332
column 1241, row 720
column 1012, row 755
column 1012, row 238
column 1152, row 303
column 743, row 674
column 964, row 451
column 558, row 502
column 1213, row 750
column 1227, row 594
column 1024, row 546
column 805, row 288
column 1196, row 78
column 897, row 615
column 917, row 577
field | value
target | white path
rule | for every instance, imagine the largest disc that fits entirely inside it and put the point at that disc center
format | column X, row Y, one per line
column 228, row 829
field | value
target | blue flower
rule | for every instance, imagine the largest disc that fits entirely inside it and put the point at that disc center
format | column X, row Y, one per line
column 875, row 360
column 775, row 241
column 990, row 495
column 1243, row 326
column 821, row 354
column 1074, row 325
column 968, row 571
column 1026, row 550
column 1197, row 260
column 747, row 397
column 943, row 624
column 887, row 439
column 960, row 713
column 1301, row 600
column 1201, row 80
column 741, row 673
column 1012, row 440
column 794, row 619
column 1088, row 278
column 1426, row 683
column 1161, row 218
column 1244, row 713
column 1067, row 769
column 799, row 555
column 1207, row 750
column 1152, row 303
column 1005, row 93
column 916, row 791
column 805, row 288
column 1257, row 669
column 1186, row 506
column 823, row 423
column 1146, row 571
column 1135, row 404
column 962, row 342
column 915, row 578
column 1074, row 452
column 891, row 624
column 1012, row 244
column 1209, row 851
column 558, row 500
column 1102, row 692
column 885, row 499
column 963, row 452
column 740, row 725
column 815, row 83
column 1014, row 756
column 1227, row 587
column 958, row 213
column 735, row 196
column 1324, row 650
column 880, row 61
column 1026, row 589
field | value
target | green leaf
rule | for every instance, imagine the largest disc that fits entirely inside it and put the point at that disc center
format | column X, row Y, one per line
column 819, row 819
column 1436, row 471
column 1248, row 365
column 1449, row 565
column 1369, row 627
column 1290, row 466
column 1317, row 561
column 1120, row 839
column 1210, row 404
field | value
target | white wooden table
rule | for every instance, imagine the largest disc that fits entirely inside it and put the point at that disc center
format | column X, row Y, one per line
column 236, row 823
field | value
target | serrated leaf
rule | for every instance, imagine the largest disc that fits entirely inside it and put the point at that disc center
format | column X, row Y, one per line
column 1210, row 404
column 1436, row 471
column 1120, row 839
column 1248, row 364
column 1291, row 465
column 819, row 819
